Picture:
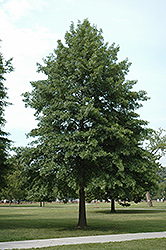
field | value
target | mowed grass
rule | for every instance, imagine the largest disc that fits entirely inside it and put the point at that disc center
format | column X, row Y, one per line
column 150, row 244
column 59, row 220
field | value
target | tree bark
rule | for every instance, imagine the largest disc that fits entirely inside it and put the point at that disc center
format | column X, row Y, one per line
column 40, row 203
column 10, row 202
column 82, row 212
column 112, row 206
column 149, row 201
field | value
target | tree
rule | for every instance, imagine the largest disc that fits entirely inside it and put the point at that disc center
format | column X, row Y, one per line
column 39, row 184
column 156, row 145
column 44, row 185
column 156, row 142
column 87, row 122
column 161, row 191
column 139, row 175
column 5, row 67
column 15, row 179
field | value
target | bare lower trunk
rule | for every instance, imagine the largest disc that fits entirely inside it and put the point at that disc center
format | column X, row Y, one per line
column 40, row 203
column 82, row 211
column 149, row 201
column 112, row 206
column 10, row 203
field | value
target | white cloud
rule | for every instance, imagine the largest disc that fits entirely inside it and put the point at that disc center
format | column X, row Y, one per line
column 29, row 43
column 27, row 46
column 69, row 1
column 17, row 9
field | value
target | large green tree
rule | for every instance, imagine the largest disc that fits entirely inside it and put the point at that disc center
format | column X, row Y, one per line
column 85, row 109
column 5, row 67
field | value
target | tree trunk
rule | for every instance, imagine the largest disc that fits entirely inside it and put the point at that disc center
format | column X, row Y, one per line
column 82, row 211
column 40, row 203
column 149, row 201
column 10, row 202
column 112, row 206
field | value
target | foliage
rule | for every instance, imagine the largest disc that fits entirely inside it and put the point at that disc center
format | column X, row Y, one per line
column 139, row 175
column 138, row 180
column 39, row 185
column 162, row 174
column 160, row 193
column 15, row 179
column 5, row 67
column 156, row 144
column 87, row 124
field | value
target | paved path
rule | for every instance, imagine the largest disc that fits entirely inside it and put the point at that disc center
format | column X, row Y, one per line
column 79, row 240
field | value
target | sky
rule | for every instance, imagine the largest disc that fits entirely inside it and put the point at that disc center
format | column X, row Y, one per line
column 29, row 31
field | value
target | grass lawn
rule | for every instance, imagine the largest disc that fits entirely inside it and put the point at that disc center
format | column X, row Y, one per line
column 151, row 244
column 57, row 220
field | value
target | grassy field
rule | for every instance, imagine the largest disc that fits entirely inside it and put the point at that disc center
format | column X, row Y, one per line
column 151, row 244
column 22, row 222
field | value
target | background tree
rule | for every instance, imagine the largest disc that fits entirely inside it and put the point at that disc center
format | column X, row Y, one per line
column 138, row 176
column 5, row 67
column 156, row 145
column 15, row 180
column 44, row 185
column 156, row 142
column 160, row 193
column 85, row 109
column 39, row 184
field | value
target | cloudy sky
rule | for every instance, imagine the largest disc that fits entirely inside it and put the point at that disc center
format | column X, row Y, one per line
column 29, row 30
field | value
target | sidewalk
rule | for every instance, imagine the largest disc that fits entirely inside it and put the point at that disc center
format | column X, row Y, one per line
column 79, row 240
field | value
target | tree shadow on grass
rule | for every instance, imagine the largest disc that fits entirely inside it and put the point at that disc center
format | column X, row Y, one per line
column 55, row 228
column 37, row 223
column 100, row 221
column 95, row 227
column 131, row 211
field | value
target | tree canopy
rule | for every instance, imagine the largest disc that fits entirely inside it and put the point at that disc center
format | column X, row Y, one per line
column 86, row 112
column 15, row 188
column 5, row 67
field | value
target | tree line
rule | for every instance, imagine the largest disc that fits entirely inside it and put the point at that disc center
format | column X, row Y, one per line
column 90, row 141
